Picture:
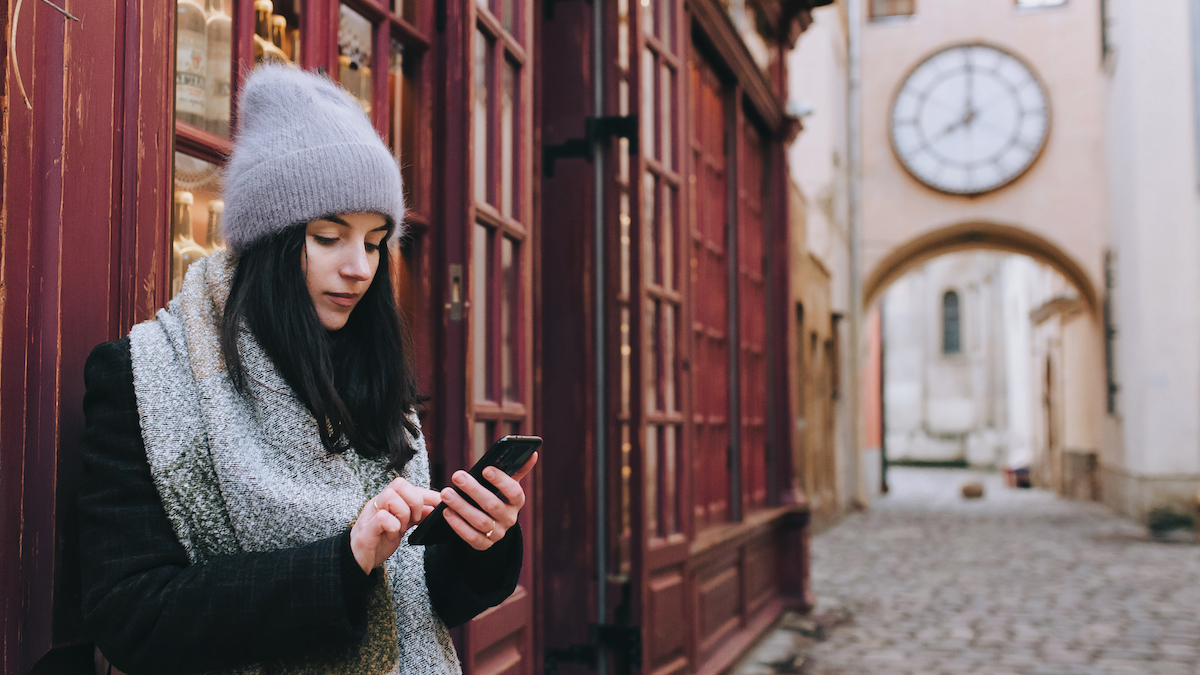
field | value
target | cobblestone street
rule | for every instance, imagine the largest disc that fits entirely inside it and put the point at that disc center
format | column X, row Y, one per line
column 1018, row 582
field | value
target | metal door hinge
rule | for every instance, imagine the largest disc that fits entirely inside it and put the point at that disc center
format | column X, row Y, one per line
column 595, row 129
column 624, row 641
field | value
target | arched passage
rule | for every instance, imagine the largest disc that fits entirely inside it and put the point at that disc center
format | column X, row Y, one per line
column 975, row 236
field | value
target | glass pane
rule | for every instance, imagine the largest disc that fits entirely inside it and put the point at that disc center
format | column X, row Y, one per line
column 626, row 554
column 648, row 26
column 480, row 141
column 649, row 189
column 508, row 136
column 668, row 237
column 219, row 39
column 195, row 216
column 508, row 15
column 484, row 435
column 667, row 15
column 355, row 38
column 480, row 278
column 648, row 118
column 650, row 479
column 670, row 505
column 623, row 34
column 668, row 357
column 402, row 111
column 651, row 373
column 191, row 63
column 276, row 32
column 626, row 361
column 625, row 221
column 667, row 109
column 509, row 327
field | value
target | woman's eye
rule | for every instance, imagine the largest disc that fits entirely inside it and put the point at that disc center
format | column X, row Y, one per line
column 371, row 248
column 324, row 241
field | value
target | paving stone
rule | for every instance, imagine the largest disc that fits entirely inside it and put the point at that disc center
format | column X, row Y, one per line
column 1019, row 582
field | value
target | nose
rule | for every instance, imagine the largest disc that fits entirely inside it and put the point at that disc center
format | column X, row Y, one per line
column 356, row 265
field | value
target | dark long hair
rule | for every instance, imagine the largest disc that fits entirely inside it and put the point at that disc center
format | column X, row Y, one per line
column 358, row 382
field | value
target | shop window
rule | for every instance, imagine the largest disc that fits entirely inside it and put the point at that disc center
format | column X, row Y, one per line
column 203, row 65
column 195, row 215
column 355, row 37
column 885, row 8
column 951, row 329
column 276, row 32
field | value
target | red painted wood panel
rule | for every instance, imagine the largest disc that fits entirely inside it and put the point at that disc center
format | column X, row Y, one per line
column 752, row 315
column 667, row 636
column 710, row 287
column 719, row 602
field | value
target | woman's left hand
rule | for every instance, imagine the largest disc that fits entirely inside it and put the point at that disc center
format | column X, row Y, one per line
column 481, row 528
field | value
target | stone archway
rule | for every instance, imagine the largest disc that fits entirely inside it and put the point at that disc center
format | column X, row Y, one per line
column 976, row 236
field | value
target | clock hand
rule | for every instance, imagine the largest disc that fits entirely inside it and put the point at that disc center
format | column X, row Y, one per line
column 966, row 120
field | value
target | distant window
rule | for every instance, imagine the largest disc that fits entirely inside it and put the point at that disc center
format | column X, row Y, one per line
column 951, row 331
column 885, row 8
column 1040, row 3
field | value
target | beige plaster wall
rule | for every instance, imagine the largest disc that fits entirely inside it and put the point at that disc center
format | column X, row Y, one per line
column 1155, row 435
column 1061, row 197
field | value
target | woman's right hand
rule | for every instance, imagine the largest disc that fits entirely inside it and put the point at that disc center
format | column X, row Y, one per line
column 384, row 520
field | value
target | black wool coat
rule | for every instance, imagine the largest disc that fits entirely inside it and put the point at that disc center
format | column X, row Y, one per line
column 151, row 611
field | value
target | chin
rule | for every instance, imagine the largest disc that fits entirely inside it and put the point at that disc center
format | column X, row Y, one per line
column 334, row 323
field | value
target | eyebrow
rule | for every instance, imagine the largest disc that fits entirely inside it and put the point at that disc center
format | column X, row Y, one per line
column 338, row 219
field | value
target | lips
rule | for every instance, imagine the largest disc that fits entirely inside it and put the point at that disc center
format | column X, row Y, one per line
column 343, row 299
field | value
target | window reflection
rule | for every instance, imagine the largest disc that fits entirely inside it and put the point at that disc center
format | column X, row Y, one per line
column 355, row 37
column 480, row 119
column 510, row 285
column 196, row 215
column 480, row 283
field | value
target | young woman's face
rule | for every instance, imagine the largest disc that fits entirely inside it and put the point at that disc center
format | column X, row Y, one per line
column 341, row 254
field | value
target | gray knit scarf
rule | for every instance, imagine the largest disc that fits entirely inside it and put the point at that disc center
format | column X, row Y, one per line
column 249, row 473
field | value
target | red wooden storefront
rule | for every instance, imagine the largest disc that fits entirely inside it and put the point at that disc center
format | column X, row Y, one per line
column 647, row 347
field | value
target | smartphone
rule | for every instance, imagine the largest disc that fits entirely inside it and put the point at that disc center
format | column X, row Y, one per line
column 507, row 454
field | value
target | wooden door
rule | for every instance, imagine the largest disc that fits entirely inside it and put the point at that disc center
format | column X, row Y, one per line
column 710, row 287
column 753, row 380
column 662, row 284
column 497, row 243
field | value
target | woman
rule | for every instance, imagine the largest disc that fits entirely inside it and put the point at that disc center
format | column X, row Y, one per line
column 252, row 458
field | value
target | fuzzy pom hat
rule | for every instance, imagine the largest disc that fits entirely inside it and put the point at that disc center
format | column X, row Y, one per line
column 303, row 150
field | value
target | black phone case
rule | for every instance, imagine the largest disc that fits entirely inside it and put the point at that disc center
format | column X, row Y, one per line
column 507, row 454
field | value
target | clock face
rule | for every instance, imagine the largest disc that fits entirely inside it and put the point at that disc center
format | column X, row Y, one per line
column 969, row 119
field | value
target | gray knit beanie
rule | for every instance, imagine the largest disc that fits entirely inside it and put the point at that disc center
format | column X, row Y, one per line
column 304, row 149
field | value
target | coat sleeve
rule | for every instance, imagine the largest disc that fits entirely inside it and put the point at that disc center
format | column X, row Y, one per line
column 464, row 582
column 149, row 610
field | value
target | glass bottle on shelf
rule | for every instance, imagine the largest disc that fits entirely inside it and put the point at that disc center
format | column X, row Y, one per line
column 220, row 65
column 191, row 63
column 294, row 45
column 185, row 250
column 279, row 31
column 216, row 209
column 264, row 49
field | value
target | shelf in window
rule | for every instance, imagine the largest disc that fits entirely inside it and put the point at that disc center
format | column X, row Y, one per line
column 197, row 142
